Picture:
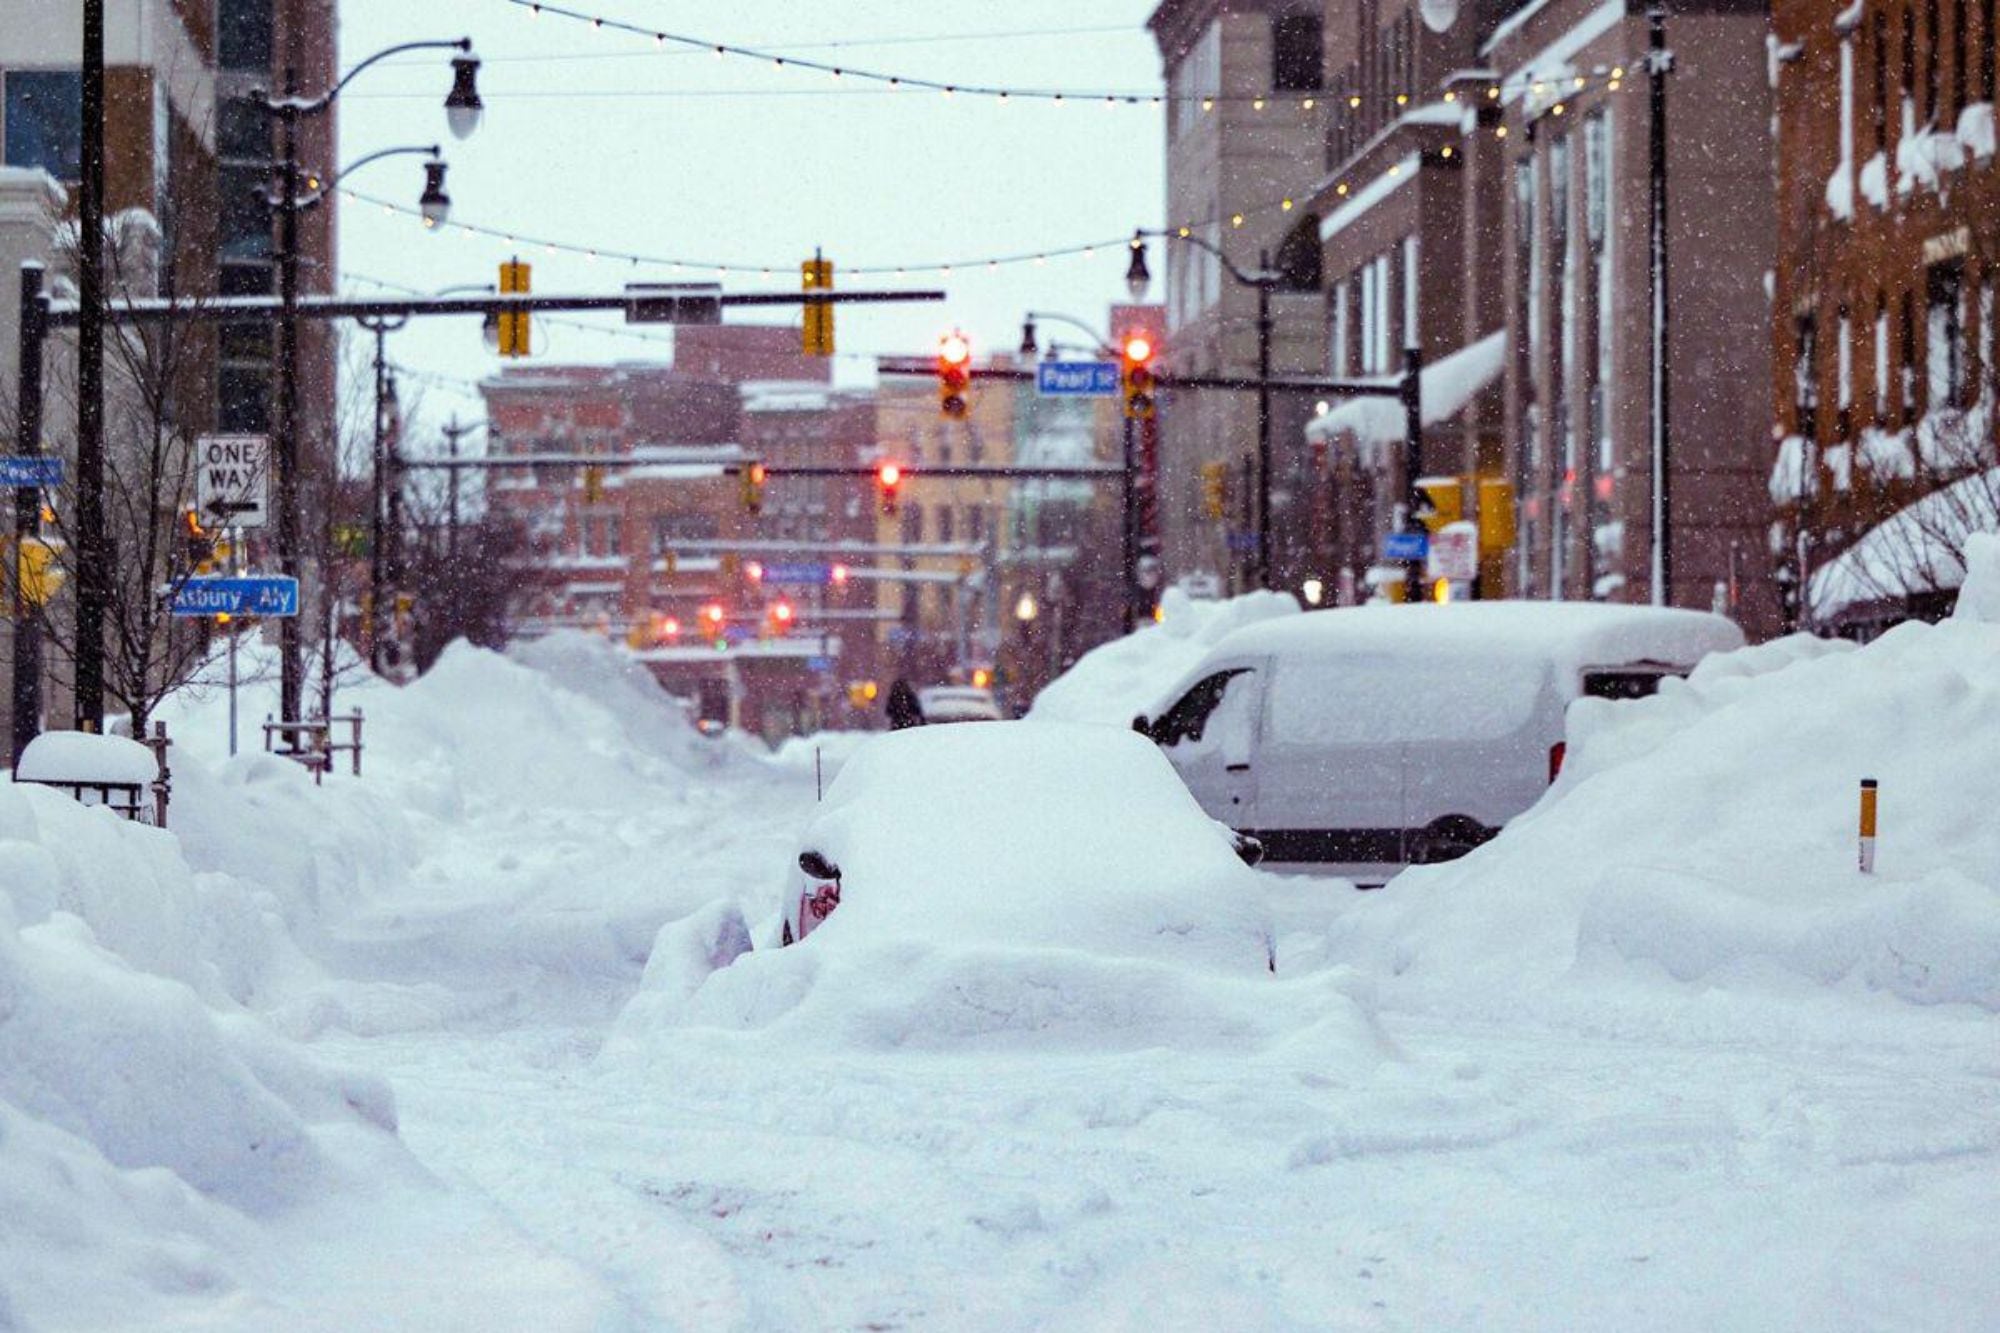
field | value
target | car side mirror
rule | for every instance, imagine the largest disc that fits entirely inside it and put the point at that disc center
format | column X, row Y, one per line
column 1249, row 850
column 818, row 866
column 1142, row 726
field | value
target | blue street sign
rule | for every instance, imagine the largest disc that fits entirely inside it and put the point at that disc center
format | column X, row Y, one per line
column 809, row 572
column 1242, row 542
column 43, row 470
column 819, row 665
column 1076, row 379
column 1406, row 546
column 237, row 597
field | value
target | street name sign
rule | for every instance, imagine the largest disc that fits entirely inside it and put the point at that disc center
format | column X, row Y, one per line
column 1406, row 546
column 808, row 573
column 230, row 478
column 42, row 470
column 1076, row 379
column 246, row 596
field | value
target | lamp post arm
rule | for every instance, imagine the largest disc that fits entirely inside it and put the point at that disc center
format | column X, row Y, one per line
column 1039, row 316
column 1263, row 278
column 313, row 199
column 313, row 106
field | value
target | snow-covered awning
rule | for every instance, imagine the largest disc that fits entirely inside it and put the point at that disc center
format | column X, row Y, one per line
column 1917, row 550
column 1447, row 387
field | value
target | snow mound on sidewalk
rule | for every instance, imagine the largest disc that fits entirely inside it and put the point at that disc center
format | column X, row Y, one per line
column 1110, row 684
column 1707, row 836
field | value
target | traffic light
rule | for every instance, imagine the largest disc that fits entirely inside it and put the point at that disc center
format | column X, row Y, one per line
column 838, row 576
column 514, row 329
column 753, row 570
column 712, row 617
column 889, row 481
column 778, row 616
column 197, row 542
column 754, row 476
column 36, row 573
column 1439, row 500
column 954, row 368
column 1136, row 377
column 1215, row 489
column 817, row 274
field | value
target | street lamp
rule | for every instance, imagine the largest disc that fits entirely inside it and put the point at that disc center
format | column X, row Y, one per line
column 1138, row 278
column 463, row 110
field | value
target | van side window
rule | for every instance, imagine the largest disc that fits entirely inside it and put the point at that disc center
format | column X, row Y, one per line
column 1635, row 682
column 1188, row 719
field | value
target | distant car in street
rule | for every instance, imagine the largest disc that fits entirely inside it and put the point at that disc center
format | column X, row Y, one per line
column 1365, row 739
column 1031, row 835
column 958, row 703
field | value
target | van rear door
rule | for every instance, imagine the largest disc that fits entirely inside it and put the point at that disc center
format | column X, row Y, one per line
column 1330, row 787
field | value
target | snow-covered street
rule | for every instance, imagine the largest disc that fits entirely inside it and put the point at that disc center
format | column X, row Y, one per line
column 1645, row 1061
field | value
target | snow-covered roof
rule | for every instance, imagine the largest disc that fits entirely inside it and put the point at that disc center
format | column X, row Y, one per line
column 1573, row 634
column 1917, row 550
column 81, row 757
column 1447, row 386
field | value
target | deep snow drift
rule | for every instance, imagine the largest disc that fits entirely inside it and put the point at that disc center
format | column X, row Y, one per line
column 480, row 1040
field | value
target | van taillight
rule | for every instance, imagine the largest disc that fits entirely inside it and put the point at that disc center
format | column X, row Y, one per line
column 1556, row 753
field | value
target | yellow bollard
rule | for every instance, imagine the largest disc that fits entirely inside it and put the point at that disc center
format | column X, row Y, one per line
column 1867, row 826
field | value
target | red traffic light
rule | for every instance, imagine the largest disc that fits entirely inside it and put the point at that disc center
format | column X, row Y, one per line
column 754, row 571
column 954, row 350
column 839, row 576
column 712, row 613
column 890, row 475
column 1138, row 348
column 781, row 613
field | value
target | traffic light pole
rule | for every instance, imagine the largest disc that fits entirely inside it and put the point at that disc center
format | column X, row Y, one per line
column 1129, row 534
column 1411, row 392
column 1263, row 285
column 27, row 695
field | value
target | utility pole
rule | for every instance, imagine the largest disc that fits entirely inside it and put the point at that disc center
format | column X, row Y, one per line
column 379, row 467
column 1128, row 580
column 27, row 700
column 1264, row 282
column 93, row 558
column 452, row 434
column 1659, row 63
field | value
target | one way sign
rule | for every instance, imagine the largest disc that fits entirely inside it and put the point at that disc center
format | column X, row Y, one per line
column 230, row 480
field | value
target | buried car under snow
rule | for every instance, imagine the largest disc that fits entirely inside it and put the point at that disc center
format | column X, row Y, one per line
column 1031, row 835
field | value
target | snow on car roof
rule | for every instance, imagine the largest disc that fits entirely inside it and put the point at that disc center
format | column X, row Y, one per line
column 1575, row 634
column 1028, row 834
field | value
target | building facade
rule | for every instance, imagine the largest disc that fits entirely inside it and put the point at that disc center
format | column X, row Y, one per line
column 1246, row 117
column 1883, row 365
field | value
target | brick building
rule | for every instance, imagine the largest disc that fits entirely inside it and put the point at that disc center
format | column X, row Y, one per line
column 617, row 549
column 1882, row 324
column 1245, row 140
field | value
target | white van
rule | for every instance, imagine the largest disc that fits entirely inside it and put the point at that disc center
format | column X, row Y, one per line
column 1361, row 740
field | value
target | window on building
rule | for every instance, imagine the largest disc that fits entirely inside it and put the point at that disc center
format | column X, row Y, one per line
column 1987, row 52
column 44, row 119
column 245, row 29
column 1844, row 367
column 1944, row 342
column 243, row 131
column 1908, row 348
column 1957, row 59
column 243, row 227
column 1337, row 338
column 945, row 515
column 1847, row 113
column 1933, row 48
column 1805, row 378
column 1906, row 80
column 1297, row 53
column 1411, row 334
column 243, row 399
column 1881, row 358
column 1878, row 103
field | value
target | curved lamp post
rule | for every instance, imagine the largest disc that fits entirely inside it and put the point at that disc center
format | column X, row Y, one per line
column 463, row 112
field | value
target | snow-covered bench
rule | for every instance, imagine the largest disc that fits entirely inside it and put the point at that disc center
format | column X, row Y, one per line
column 126, row 776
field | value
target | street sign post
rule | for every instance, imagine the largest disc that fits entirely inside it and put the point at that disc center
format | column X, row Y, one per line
column 1406, row 546
column 230, row 480
column 39, row 470
column 1454, row 552
column 244, row 596
column 1076, row 379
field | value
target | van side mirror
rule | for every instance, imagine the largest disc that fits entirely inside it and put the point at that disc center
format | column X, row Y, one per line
column 1249, row 850
column 818, row 866
column 1142, row 726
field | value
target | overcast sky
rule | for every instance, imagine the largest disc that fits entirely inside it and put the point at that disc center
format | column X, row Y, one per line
column 603, row 139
